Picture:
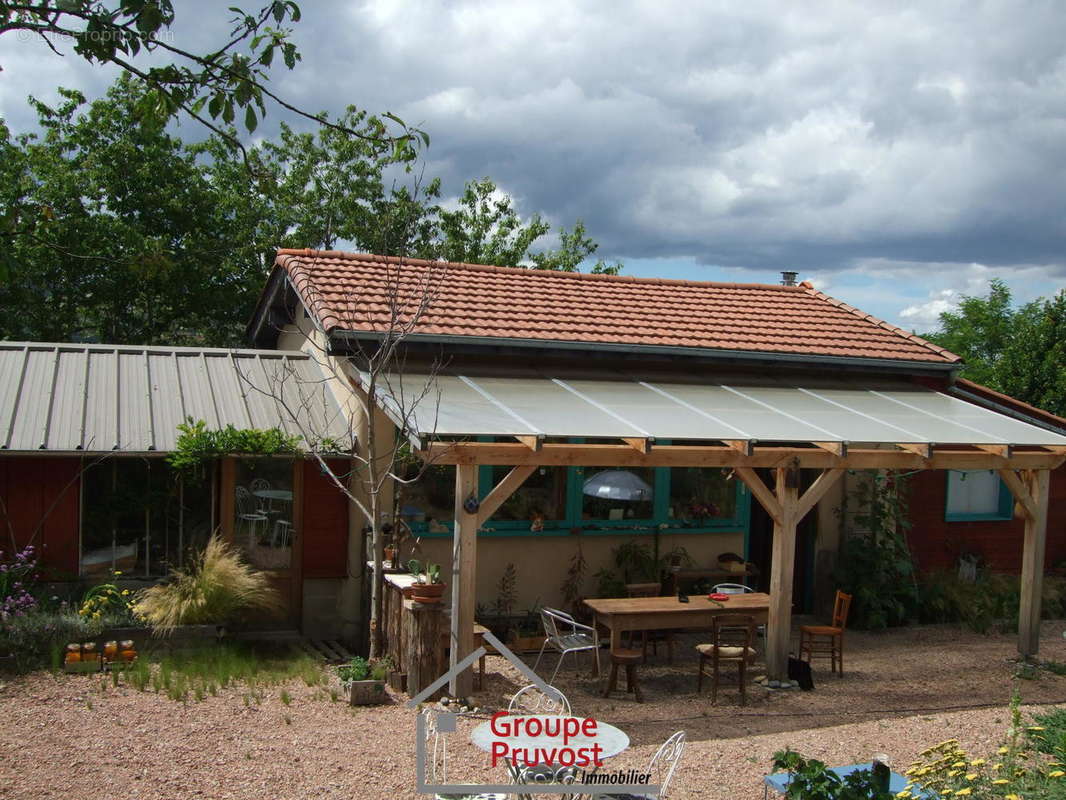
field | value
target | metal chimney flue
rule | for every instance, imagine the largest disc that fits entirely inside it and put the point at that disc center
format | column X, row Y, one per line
column 788, row 278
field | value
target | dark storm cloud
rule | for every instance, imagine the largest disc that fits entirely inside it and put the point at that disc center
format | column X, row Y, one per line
column 809, row 134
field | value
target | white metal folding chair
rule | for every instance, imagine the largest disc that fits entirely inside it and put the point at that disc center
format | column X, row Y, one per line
column 661, row 767
column 565, row 634
column 732, row 588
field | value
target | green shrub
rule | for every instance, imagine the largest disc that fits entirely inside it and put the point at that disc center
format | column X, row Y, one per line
column 813, row 780
column 875, row 566
column 33, row 639
column 356, row 670
column 989, row 603
column 218, row 589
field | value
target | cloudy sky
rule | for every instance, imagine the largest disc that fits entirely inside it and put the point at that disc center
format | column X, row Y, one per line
column 896, row 157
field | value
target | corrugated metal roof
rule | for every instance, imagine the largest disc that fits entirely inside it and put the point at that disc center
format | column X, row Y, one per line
column 649, row 406
column 103, row 398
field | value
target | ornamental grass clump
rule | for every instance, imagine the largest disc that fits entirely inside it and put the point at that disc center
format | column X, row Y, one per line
column 218, row 589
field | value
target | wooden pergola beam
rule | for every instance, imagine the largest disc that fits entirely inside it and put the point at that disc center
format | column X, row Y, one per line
column 762, row 493
column 532, row 441
column 640, row 444
column 1002, row 450
column 502, row 490
column 612, row 455
column 839, row 449
column 743, row 446
column 924, row 449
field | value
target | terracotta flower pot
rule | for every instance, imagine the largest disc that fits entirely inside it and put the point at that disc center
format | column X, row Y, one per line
column 428, row 593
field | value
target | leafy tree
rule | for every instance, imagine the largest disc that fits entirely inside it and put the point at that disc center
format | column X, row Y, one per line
column 212, row 87
column 1018, row 351
column 119, row 238
column 486, row 229
column 574, row 248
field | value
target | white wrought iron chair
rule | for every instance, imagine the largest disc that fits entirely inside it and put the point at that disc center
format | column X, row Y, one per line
column 265, row 504
column 661, row 767
column 567, row 635
column 437, row 760
column 531, row 700
column 247, row 512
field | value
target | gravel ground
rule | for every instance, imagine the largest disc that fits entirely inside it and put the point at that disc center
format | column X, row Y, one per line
column 904, row 690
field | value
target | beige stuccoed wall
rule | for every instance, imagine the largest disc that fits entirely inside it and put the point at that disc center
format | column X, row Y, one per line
column 542, row 560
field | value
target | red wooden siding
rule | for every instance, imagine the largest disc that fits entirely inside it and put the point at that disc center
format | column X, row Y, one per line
column 29, row 485
column 325, row 524
column 937, row 544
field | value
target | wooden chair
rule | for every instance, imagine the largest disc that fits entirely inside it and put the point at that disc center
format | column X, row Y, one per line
column 651, row 590
column 628, row 659
column 828, row 640
column 732, row 638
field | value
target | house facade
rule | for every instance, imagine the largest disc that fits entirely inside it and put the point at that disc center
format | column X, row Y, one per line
column 521, row 341
column 488, row 357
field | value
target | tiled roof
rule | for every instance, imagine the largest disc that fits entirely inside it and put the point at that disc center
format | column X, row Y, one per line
column 347, row 291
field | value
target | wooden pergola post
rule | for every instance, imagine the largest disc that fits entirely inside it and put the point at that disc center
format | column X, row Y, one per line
column 787, row 509
column 464, row 561
column 464, row 580
column 1030, row 490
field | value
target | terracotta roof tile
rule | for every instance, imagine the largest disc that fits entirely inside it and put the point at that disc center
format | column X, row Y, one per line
column 346, row 291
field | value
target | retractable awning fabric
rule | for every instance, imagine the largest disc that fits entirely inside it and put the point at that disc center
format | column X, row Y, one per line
column 449, row 405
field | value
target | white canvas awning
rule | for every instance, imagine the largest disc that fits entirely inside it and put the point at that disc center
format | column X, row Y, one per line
column 765, row 411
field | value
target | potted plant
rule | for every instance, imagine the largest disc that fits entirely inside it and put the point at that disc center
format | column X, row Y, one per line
column 528, row 635
column 428, row 588
column 364, row 682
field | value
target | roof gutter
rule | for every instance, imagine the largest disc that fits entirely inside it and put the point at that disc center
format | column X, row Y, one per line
column 706, row 352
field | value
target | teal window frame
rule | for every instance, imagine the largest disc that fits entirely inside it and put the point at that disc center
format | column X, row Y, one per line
column 1004, row 510
column 575, row 476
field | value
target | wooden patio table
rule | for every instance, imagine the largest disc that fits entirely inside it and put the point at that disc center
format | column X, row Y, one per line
column 619, row 614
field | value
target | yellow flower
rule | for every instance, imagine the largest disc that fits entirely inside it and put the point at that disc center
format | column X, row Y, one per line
column 1056, row 774
column 1037, row 728
column 1003, row 751
column 972, row 776
column 945, row 792
column 1013, row 797
column 997, row 767
column 903, row 795
column 964, row 792
column 977, row 762
column 954, row 772
column 125, row 592
column 1000, row 782
column 117, row 572
column 959, row 764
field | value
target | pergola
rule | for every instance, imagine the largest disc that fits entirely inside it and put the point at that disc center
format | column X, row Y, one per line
column 745, row 425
